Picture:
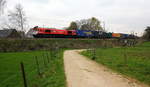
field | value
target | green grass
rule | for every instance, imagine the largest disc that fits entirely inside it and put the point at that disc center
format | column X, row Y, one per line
column 131, row 61
column 52, row 75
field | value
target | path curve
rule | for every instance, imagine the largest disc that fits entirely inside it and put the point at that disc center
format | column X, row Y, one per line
column 82, row 72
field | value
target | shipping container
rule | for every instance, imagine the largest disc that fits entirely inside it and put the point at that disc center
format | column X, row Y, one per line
column 116, row 35
column 124, row 36
column 84, row 33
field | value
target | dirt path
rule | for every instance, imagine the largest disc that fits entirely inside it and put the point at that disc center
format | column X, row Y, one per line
column 82, row 72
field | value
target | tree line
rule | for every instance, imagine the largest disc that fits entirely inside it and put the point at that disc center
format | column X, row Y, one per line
column 86, row 24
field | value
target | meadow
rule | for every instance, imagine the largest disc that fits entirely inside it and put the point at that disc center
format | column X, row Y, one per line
column 50, row 67
column 15, row 51
column 50, row 59
column 130, row 61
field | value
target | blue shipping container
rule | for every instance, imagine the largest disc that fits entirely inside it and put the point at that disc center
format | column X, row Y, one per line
column 84, row 33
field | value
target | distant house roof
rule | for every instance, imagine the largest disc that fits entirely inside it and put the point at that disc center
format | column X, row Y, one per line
column 8, row 33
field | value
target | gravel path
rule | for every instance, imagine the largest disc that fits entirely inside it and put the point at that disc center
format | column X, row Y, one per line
column 82, row 72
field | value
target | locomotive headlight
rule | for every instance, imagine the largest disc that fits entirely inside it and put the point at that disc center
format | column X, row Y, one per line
column 35, row 32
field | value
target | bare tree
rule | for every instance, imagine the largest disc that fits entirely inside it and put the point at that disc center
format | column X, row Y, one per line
column 17, row 18
column 2, row 5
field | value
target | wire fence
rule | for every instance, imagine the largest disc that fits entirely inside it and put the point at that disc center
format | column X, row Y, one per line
column 125, row 44
column 32, row 74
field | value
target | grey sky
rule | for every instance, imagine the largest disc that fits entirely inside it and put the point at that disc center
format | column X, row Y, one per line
column 119, row 15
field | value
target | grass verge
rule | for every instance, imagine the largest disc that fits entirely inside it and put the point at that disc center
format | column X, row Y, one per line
column 52, row 71
column 131, row 61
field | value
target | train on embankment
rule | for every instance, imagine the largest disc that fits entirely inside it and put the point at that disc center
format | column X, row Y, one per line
column 38, row 32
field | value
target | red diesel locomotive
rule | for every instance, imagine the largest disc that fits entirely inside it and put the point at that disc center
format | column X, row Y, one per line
column 52, row 32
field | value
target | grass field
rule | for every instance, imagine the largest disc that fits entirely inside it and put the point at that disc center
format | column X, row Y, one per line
column 52, row 73
column 131, row 61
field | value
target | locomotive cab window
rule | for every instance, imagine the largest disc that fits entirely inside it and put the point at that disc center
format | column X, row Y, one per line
column 47, row 30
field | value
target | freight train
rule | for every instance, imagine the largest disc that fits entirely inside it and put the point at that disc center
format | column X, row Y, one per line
column 38, row 32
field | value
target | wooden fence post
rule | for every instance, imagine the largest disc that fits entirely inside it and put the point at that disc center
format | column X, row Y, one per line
column 23, row 74
column 47, row 57
column 94, row 54
column 38, row 66
column 44, row 61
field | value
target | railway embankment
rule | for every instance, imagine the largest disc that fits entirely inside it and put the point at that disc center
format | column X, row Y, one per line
column 15, row 45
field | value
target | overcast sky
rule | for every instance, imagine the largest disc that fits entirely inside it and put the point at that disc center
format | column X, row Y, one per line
column 119, row 15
